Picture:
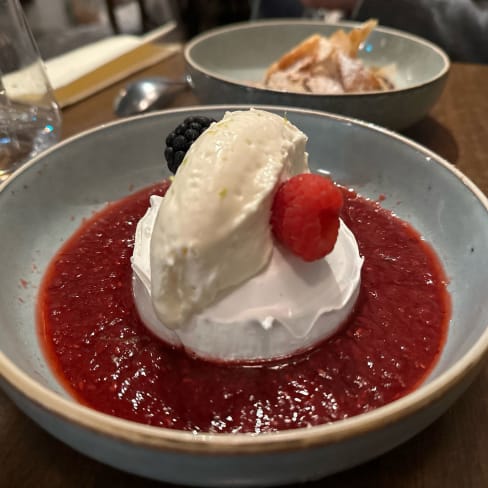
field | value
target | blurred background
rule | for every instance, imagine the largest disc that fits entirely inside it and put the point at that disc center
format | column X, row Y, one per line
column 459, row 27
column 62, row 25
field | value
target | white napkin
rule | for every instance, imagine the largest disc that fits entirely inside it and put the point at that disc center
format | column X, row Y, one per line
column 62, row 70
column 68, row 67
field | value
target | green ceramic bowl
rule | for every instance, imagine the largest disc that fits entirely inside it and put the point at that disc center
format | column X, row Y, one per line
column 45, row 201
column 225, row 64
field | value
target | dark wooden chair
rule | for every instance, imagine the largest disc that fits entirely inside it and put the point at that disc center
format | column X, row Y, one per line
column 146, row 23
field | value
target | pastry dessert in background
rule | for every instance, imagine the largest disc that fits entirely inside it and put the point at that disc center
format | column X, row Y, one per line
column 328, row 65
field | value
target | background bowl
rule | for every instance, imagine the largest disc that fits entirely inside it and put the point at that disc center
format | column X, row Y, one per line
column 225, row 63
column 46, row 200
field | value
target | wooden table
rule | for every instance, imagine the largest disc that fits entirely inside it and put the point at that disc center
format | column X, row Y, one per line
column 452, row 453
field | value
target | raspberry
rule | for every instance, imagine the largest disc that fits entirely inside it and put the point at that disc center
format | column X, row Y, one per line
column 182, row 137
column 305, row 215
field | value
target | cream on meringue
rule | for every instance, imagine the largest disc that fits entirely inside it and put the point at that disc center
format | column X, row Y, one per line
column 212, row 231
column 288, row 307
column 208, row 275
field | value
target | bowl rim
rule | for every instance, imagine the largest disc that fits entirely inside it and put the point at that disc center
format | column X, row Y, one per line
column 350, row 24
column 164, row 439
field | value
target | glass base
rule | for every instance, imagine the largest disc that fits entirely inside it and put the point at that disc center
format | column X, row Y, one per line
column 24, row 132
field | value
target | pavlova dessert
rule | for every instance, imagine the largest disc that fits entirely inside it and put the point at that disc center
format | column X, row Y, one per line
column 251, row 296
column 245, row 258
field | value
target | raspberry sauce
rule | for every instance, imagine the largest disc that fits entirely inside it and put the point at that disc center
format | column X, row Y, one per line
column 95, row 342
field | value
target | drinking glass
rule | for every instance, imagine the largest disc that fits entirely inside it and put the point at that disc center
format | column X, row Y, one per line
column 30, row 120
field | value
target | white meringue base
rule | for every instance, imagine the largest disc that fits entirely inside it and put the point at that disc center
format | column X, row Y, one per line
column 288, row 307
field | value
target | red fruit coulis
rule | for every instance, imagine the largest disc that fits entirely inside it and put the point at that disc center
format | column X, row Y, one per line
column 105, row 357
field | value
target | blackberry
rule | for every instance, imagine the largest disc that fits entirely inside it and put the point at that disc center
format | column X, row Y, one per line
column 182, row 137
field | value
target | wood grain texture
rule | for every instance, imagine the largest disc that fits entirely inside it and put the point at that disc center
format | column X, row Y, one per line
column 451, row 453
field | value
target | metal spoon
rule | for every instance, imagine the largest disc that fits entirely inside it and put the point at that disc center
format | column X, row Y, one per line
column 147, row 94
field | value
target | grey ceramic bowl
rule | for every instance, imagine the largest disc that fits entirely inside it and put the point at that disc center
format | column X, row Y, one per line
column 225, row 63
column 37, row 209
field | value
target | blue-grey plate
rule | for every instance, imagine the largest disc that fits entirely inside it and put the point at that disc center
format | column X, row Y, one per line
column 46, row 200
column 226, row 63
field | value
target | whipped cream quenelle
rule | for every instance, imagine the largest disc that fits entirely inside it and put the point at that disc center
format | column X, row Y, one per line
column 207, row 273
column 212, row 231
